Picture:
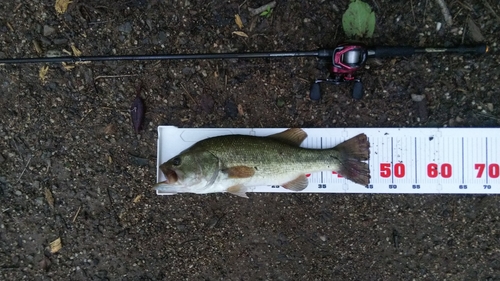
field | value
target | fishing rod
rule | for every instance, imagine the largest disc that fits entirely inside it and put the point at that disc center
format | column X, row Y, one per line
column 346, row 59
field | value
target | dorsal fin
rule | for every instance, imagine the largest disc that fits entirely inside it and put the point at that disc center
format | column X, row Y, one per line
column 293, row 136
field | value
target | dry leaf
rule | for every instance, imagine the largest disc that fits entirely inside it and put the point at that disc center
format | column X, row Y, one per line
column 55, row 245
column 61, row 6
column 38, row 49
column 67, row 66
column 240, row 33
column 49, row 197
column 110, row 129
column 238, row 21
column 137, row 198
column 240, row 110
column 76, row 52
column 42, row 74
column 474, row 31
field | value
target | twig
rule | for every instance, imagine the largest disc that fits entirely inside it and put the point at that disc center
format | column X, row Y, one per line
column 188, row 94
column 239, row 7
column 87, row 113
column 413, row 12
column 425, row 10
column 77, row 212
column 465, row 29
column 446, row 12
column 24, row 170
column 115, row 76
column 487, row 116
column 491, row 9
column 261, row 9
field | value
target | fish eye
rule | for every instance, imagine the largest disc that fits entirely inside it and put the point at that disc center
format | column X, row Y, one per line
column 176, row 161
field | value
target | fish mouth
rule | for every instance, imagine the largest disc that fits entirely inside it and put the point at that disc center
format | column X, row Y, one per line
column 171, row 176
column 168, row 184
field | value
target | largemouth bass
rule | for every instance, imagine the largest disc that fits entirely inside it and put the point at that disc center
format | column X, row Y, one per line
column 236, row 163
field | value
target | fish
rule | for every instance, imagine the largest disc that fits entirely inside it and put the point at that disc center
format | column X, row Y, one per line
column 237, row 163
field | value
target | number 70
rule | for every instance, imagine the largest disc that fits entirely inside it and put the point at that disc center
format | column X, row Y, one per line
column 493, row 170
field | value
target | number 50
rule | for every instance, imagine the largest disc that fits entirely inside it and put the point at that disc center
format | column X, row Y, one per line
column 386, row 170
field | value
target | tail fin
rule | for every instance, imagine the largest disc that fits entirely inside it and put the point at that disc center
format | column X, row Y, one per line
column 352, row 152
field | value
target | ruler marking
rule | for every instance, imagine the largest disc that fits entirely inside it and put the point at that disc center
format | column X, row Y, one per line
column 463, row 169
column 440, row 151
column 321, row 146
column 415, row 147
column 369, row 157
column 486, row 166
column 392, row 160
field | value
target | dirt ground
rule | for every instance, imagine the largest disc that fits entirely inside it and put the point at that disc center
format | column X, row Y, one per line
column 70, row 138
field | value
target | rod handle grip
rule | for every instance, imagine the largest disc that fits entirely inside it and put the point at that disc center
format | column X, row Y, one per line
column 384, row 52
column 479, row 49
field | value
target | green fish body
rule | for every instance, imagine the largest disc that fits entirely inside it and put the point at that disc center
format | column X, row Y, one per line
column 236, row 163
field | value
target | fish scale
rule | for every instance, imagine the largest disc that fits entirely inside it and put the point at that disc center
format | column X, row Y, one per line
column 402, row 160
column 265, row 153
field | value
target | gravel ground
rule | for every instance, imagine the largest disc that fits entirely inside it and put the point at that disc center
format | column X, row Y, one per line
column 72, row 167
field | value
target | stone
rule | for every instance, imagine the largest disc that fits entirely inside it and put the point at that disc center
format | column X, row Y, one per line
column 48, row 30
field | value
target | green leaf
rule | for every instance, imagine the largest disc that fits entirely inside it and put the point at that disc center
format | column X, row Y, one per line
column 267, row 12
column 358, row 20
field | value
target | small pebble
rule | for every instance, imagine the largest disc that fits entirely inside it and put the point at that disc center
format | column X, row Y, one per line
column 438, row 26
column 60, row 41
column 231, row 109
column 417, row 98
column 125, row 28
column 39, row 201
column 48, row 30
column 280, row 102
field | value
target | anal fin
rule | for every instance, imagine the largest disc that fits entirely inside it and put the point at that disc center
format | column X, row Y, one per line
column 297, row 184
column 237, row 190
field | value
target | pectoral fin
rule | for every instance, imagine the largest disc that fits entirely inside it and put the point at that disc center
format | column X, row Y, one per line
column 237, row 190
column 298, row 184
column 293, row 136
column 239, row 172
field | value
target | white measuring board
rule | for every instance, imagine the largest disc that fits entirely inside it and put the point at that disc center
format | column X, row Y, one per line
column 402, row 160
